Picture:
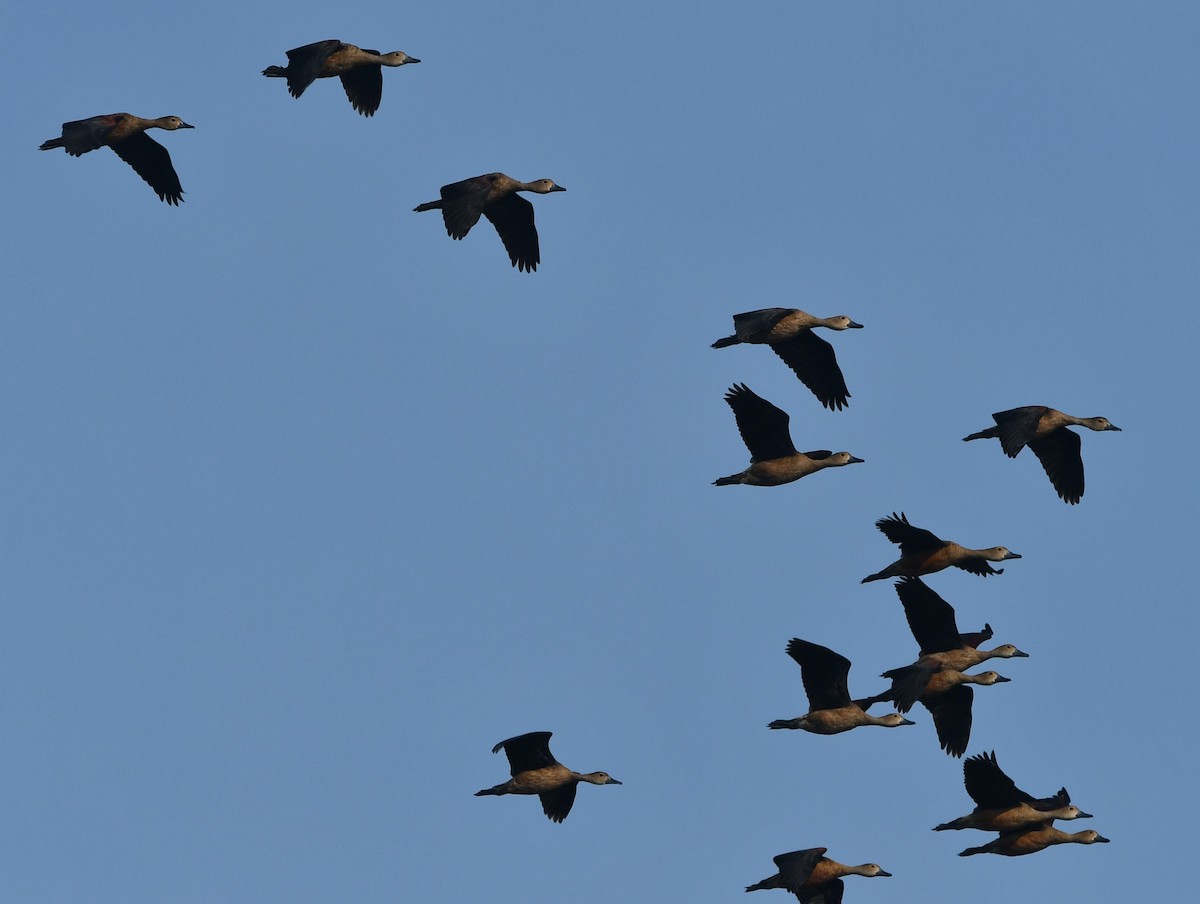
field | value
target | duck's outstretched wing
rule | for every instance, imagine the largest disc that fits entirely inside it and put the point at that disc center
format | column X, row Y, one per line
column 910, row 539
column 364, row 87
column 764, row 428
column 814, row 361
column 151, row 161
column 527, row 752
column 1059, row 454
column 512, row 216
column 305, row 64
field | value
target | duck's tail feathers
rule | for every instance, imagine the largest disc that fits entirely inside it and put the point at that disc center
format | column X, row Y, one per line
column 989, row 433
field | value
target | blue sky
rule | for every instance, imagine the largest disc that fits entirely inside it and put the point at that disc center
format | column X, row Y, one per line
column 306, row 506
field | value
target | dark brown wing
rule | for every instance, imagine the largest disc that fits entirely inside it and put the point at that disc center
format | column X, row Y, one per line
column 512, row 216
column 823, row 672
column 527, row 752
column 364, row 87
column 1061, row 799
column 951, row 713
column 973, row 639
column 83, row 135
column 978, row 566
column 813, row 360
column 753, row 326
column 151, row 161
column 1059, row 454
column 764, row 428
column 557, row 803
column 987, row 784
column 930, row 617
column 1017, row 427
column 305, row 64
column 795, row 867
column 910, row 539
column 475, row 188
column 909, row 682
column 826, row 893
column 461, row 204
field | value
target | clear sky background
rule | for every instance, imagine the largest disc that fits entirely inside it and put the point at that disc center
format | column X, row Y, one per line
column 304, row 506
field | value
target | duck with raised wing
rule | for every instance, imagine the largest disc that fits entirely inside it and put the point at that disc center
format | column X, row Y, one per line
column 923, row 552
column 1000, row 806
column 360, row 70
column 495, row 196
column 536, row 771
column 126, row 135
column 1044, row 430
column 773, row 457
column 813, row 878
column 935, row 628
column 830, row 709
column 789, row 333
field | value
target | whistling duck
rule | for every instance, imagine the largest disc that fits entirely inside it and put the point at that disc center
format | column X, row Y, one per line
column 536, row 771
column 1044, row 430
column 495, row 197
column 360, row 70
column 126, row 135
column 773, row 457
column 812, row 877
column 830, row 709
column 1030, row 841
column 923, row 552
column 1000, row 806
column 789, row 332
column 933, row 625
column 942, row 691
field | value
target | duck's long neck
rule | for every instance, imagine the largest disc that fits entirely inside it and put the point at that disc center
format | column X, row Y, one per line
column 803, row 320
column 890, row 720
column 863, row 869
column 992, row 554
column 987, row 679
column 1058, row 836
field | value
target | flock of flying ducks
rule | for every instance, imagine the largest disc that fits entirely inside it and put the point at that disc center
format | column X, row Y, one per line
column 937, row 679
column 493, row 195
column 773, row 456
